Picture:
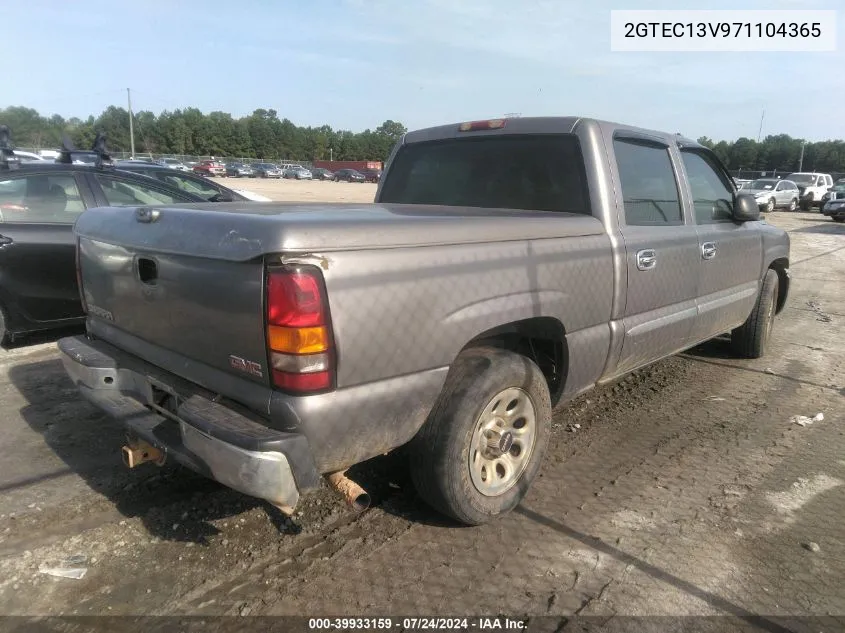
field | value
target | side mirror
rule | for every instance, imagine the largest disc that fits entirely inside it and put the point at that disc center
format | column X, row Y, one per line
column 221, row 197
column 745, row 208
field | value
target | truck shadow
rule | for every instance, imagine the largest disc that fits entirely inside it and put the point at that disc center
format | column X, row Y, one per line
column 828, row 227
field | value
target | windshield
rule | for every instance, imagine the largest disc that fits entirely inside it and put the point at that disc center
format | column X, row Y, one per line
column 802, row 179
column 531, row 172
column 762, row 184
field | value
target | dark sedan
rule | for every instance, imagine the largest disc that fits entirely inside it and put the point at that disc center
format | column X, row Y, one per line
column 39, row 203
column 349, row 175
column 240, row 170
column 320, row 173
column 372, row 175
column 267, row 170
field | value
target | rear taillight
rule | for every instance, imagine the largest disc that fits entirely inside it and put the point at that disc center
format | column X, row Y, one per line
column 299, row 336
column 79, row 278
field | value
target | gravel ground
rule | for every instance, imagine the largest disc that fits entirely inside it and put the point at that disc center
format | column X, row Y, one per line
column 304, row 190
column 685, row 490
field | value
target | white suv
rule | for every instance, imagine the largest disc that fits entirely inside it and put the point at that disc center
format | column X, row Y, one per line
column 812, row 187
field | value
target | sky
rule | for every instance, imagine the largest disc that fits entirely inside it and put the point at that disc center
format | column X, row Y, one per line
column 353, row 64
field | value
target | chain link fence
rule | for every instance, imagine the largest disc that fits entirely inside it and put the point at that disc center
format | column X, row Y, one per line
column 183, row 158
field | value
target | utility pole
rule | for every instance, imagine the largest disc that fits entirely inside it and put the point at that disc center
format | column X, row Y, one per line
column 131, row 128
column 760, row 130
column 801, row 159
column 331, row 154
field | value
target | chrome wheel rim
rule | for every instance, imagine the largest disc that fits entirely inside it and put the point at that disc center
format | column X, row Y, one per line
column 770, row 206
column 502, row 442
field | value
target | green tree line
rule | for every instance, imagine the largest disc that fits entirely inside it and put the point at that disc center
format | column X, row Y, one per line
column 779, row 152
column 263, row 134
column 188, row 131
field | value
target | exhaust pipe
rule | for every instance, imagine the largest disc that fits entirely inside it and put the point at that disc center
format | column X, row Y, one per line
column 137, row 452
column 356, row 497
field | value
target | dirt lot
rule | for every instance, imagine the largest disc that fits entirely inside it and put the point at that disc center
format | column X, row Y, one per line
column 304, row 190
column 686, row 490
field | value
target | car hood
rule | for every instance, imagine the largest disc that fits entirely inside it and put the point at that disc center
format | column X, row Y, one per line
column 254, row 197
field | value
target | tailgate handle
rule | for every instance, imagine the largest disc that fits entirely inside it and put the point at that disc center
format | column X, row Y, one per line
column 147, row 270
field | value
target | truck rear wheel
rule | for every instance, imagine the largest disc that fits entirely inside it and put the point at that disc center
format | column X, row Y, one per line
column 749, row 340
column 484, row 441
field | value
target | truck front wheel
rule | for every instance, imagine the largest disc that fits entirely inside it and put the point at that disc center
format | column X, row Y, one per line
column 749, row 340
column 484, row 441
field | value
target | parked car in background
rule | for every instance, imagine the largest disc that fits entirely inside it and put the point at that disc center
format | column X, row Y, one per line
column 321, row 173
column 551, row 257
column 371, row 175
column 39, row 203
column 267, row 170
column 772, row 193
column 349, row 175
column 29, row 157
column 812, row 188
column 240, row 170
column 740, row 181
column 297, row 172
column 172, row 163
column 210, row 168
column 834, row 206
column 192, row 183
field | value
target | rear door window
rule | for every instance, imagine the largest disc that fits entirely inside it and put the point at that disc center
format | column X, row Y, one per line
column 649, row 188
column 528, row 172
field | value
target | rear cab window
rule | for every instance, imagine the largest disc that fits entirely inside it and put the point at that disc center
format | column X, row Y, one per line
column 536, row 172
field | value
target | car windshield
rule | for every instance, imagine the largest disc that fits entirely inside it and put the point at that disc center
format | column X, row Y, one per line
column 763, row 184
column 802, row 179
column 536, row 172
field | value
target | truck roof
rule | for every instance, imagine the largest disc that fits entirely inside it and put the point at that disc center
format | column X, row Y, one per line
column 544, row 125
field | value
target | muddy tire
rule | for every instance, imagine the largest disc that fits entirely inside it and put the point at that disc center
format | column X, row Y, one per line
column 749, row 340
column 493, row 416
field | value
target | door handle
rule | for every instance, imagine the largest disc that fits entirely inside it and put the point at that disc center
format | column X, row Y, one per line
column 646, row 259
column 5, row 240
column 708, row 250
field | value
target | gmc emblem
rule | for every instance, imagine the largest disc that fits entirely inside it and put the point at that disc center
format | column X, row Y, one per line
column 246, row 366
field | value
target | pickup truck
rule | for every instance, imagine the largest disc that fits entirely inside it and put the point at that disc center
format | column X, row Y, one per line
column 812, row 188
column 505, row 267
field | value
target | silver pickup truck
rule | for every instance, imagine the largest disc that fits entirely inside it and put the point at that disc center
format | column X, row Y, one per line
column 505, row 266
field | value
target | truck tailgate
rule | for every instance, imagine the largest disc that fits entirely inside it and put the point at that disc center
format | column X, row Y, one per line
column 185, row 282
